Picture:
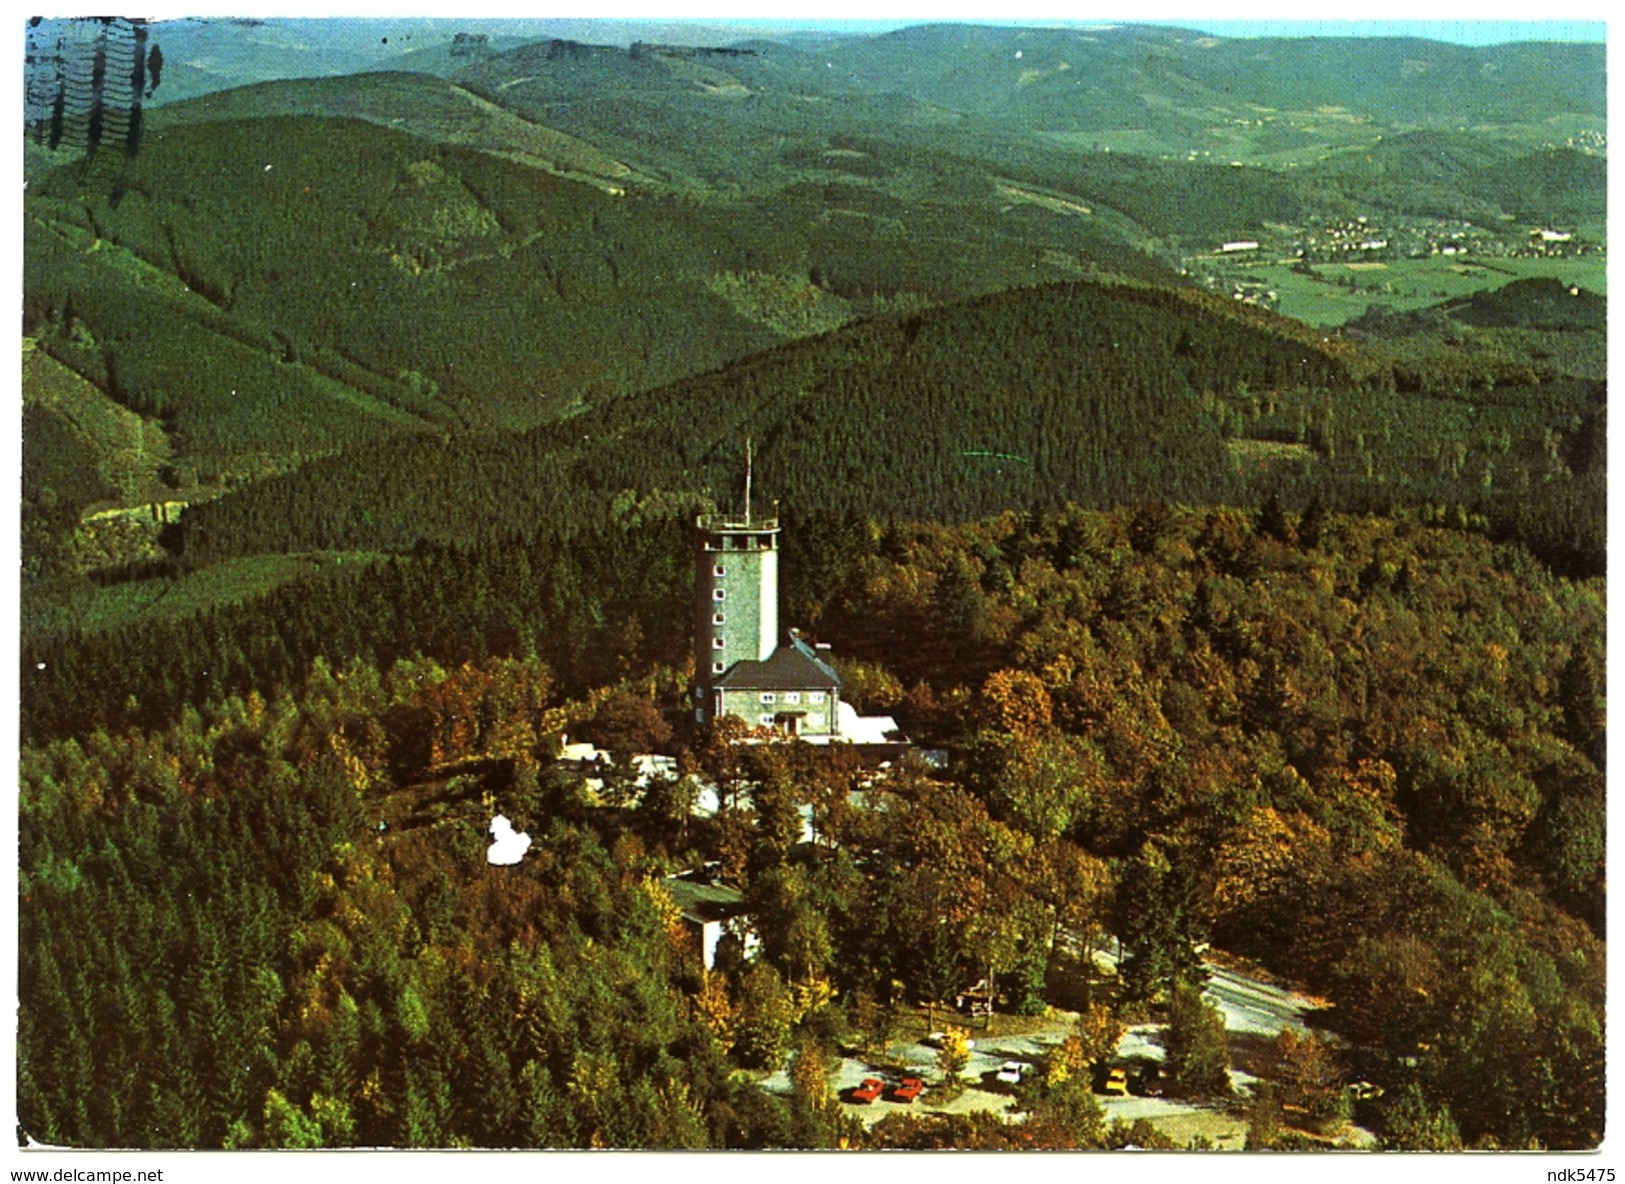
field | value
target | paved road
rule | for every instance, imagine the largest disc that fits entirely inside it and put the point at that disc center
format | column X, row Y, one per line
column 1255, row 1007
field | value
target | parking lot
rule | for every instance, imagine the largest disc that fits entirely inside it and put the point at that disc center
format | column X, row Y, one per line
column 915, row 1058
column 1254, row 1011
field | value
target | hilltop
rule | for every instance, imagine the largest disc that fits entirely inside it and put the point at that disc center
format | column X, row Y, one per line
column 1077, row 392
column 1532, row 304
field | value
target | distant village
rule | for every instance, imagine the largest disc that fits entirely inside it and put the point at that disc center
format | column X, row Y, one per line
column 1223, row 266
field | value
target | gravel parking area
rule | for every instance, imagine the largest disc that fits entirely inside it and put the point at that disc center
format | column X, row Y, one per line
column 1255, row 1012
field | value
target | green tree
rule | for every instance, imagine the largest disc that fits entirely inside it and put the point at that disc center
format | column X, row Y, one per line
column 1044, row 783
column 813, row 1107
column 1065, row 1114
column 1264, row 1118
column 286, row 1125
column 874, row 1022
column 793, row 927
column 761, row 1028
column 1160, row 921
column 1098, row 1032
column 1198, row 1051
column 1411, row 1124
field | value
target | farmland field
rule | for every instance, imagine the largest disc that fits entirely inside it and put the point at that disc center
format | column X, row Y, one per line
column 1339, row 292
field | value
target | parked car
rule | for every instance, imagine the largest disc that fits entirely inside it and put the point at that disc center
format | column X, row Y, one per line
column 1117, row 1081
column 1010, row 1073
column 910, row 1089
column 871, row 1089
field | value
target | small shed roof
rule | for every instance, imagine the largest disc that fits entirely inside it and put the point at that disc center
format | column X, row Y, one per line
column 699, row 900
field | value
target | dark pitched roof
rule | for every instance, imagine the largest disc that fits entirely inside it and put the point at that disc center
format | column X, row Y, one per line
column 793, row 667
column 701, row 901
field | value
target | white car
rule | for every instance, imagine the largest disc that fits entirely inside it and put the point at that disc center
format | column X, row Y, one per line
column 1010, row 1072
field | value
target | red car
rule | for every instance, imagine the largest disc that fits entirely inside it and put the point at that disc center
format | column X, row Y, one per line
column 871, row 1089
column 910, row 1089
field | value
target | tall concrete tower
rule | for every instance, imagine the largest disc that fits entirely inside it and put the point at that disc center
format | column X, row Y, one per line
column 736, row 594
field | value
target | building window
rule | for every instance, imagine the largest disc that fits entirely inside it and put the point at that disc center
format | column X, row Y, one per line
column 765, row 719
column 815, row 719
column 767, row 696
column 792, row 696
column 719, row 619
column 719, row 571
column 717, row 643
column 717, row 667
column 816, row 696
column 719, row 594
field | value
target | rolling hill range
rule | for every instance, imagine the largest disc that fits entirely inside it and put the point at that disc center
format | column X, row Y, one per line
column 1106, row 78
column 1042, row 394
column 1095, row 394
column 473, row 543
column 739, row 195
column 598, row 265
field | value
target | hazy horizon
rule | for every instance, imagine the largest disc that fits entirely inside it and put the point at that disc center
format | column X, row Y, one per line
column 1469, row 32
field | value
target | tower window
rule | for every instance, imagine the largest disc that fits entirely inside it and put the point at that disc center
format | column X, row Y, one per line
column 719, row 571
column 717, row 667
column 717, row 643
column 719, row 618
column 719, row 594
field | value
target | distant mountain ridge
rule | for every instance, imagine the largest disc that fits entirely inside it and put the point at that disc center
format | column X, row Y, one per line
column 1035, row 71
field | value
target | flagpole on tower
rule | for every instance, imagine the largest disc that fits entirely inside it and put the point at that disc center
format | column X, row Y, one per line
column 747, row 480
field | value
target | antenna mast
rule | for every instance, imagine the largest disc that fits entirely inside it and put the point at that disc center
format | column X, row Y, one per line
column 747, row 480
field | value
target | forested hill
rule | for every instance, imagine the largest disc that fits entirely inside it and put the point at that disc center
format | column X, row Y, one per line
column 1078, row 392
column 1532, row 304
column 1042, row 72
column 322, row 270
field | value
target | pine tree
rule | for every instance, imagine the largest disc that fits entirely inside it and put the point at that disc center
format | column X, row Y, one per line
column 1198, row 1061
